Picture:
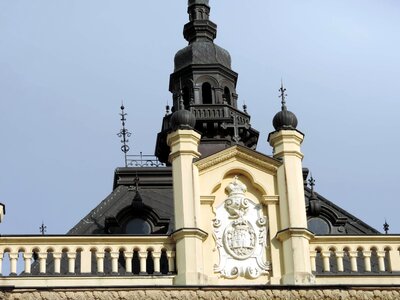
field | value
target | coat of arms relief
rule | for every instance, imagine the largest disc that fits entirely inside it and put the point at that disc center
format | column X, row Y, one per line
column 240, row 232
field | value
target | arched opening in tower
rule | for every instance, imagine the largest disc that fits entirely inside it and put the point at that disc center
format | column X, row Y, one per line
column 206, row 93
column 227, row 95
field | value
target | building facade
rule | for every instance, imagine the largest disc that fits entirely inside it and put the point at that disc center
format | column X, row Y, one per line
column 212, row 218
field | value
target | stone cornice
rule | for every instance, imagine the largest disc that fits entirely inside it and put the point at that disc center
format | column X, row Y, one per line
column 287, row 233
column 189, row 232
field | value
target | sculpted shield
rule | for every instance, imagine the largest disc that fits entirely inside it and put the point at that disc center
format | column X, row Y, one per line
column 240, row 230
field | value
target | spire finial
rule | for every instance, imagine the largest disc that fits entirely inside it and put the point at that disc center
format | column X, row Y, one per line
column 283, row 96
column 386, row 227
column 136, row 180
column 311, row 182
column 197, row 29
column 43, row 228
column 124, row 134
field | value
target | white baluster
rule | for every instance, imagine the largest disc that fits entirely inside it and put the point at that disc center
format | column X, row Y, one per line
column 339, row 260
column 1, row 262
column 114, row 262
column 381, row 260
column 27, row 265
column 128, row 261
column 353, row 260
column 100, row 262
column 143, row 257
column 42, row 262
column 156, row 259
column 325, row 258
column 367, row 260
column 57, row 262
column 13, row 263
column 313, row 257
column 71, row 262
column 171, row 261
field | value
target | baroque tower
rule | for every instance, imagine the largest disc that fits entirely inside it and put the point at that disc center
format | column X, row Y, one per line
column 205, row 83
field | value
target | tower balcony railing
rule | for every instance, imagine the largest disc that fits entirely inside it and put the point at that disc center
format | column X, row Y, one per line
column 82, row 260
column 143, row 160
column 218, row 112
column 361, row 257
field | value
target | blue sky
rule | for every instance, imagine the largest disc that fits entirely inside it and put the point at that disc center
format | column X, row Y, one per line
column 65, row 66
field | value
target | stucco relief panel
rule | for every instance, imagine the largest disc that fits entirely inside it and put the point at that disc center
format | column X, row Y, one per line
column 240, row 233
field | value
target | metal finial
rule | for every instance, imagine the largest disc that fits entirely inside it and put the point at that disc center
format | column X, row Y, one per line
column 136, row 180
column 283, row 96
column 244, row 107
column 386, row 227
column 311, row 182
column 124, row 134
column 42, row 228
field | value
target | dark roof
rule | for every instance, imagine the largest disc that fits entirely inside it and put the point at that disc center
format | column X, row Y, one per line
column 155, row 190
column 340, row 220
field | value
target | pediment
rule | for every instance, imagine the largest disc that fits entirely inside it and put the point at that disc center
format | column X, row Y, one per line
column 242, row 155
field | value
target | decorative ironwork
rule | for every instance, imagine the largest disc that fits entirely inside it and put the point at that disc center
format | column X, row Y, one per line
column 283, row 96
column 311, row 182
column 236, row 127
column 43, row 228
column 124, row 134
column 386, row 227
column 143, row 161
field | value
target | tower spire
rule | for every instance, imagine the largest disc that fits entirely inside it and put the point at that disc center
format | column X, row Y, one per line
column 199, row 28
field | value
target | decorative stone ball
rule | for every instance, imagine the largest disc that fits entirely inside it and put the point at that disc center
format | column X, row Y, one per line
column 285, row 120
column 182, row 119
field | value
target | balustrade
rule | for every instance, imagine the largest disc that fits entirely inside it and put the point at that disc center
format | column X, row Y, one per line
column 354, row 255
column 70, row 255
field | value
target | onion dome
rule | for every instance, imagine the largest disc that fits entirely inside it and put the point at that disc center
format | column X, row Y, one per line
column 284, row 119
column 182, row 119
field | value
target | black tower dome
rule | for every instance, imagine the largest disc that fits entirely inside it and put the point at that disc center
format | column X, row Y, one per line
column 204, row 80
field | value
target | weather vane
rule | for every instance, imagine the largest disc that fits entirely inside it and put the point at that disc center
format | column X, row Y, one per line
column 42, row 228
column 124, row 134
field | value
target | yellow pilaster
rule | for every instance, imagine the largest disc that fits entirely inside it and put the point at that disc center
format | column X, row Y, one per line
column 188, row 236
column 293, row 234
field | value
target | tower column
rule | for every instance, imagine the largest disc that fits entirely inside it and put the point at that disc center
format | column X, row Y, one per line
column 293, row 234
column 184, row 143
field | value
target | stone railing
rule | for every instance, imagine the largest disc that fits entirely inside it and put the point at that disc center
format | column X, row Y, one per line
column 376, row 255
column 28, row 257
